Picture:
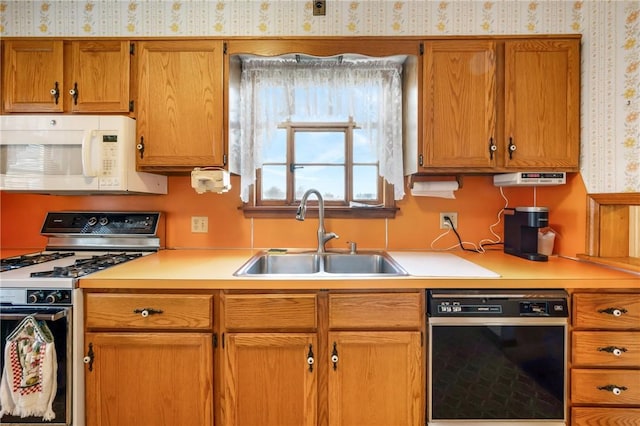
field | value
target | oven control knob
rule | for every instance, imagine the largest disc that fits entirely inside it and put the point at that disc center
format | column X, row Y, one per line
column 54, row 297
column 92, row 221
column 35, row 297
column 104, row 221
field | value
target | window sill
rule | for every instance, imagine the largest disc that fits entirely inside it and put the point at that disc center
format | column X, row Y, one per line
column 329, row 212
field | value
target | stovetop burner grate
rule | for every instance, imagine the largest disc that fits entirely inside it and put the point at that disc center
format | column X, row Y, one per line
column 17, row 262
column 86, row 266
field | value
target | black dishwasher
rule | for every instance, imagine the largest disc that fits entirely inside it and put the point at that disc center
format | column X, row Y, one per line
column 497, row 356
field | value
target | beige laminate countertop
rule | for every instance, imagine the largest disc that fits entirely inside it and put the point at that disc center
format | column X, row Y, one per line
column 213, row 269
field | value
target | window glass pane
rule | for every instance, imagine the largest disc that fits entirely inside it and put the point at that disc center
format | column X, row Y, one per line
column 329, row 180
column 319, row 147
column 275, row 150
column 363, row 149
column 365, row 182
column 274, row 182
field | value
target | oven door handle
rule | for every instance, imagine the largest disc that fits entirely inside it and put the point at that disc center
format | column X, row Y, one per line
column 39, row 315
column 498, row 321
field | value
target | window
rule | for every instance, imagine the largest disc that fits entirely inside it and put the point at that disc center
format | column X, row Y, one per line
column 344, row 170
column 330, row 124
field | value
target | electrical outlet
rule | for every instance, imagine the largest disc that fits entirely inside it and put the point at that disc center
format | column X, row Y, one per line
column 444, row 224
column 200, row 224
column 319, row 7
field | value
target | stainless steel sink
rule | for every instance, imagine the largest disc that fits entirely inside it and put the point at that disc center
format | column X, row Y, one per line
column 361, row 263
column 266, row 264
column 366, row 263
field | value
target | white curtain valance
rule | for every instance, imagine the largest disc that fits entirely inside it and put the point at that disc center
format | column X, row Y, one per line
column 274, row 91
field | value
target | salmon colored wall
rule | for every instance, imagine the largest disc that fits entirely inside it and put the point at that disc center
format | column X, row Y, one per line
column 415, row 226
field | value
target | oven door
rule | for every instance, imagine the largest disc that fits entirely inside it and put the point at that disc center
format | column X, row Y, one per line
column 59, row 321
column 492, row 371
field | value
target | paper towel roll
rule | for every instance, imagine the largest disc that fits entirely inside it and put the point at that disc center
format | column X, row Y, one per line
column 440, row 189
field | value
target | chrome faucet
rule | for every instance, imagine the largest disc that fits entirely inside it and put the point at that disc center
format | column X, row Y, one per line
column 323, row 236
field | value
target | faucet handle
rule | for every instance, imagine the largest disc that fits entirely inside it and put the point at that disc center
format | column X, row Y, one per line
column 353, row 247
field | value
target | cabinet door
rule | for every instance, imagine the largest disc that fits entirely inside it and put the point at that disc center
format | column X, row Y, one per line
column 542, row 104
column 179, row 105
column 376, row 379
column 459, row 104
column 268, row 379
column 33, row 76
column 99, row 76
column 149, row 379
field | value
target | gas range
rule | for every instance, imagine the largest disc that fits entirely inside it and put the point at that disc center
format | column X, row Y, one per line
column 78, row 244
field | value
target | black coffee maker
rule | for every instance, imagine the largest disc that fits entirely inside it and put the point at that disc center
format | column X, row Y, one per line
column 521, row 226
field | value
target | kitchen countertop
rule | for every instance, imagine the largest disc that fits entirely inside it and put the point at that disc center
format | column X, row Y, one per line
column 213, row 269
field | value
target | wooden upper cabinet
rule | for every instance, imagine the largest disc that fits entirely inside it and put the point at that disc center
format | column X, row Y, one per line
column 100, row 75
column 459, row 104
column 33, row 76
column 179, row 104
column 501, row 105
column 542, row 104
column 58, row 76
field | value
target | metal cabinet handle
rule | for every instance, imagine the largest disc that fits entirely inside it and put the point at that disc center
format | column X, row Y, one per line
column 613, row 350
column 89, row 358
column 616, row 390
column 140, row 147
column 616, row 312
column 55, row 92
column 145, row 312
column 512, row 148
column 74, row 93
column 334, row 356
column 310, row 359
column 492, row 148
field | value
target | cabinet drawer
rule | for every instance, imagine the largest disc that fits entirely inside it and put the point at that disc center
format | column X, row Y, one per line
column 251, row 312
column 606, row 348
column 163, row 311
column 597, row 416
column 376, row 310
column 597, row 386
column 606, row 310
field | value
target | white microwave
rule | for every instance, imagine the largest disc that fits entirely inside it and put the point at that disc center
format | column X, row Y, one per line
column 71, row 154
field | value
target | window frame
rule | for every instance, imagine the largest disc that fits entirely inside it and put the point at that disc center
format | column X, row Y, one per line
column 277, row 208
column 292, row 128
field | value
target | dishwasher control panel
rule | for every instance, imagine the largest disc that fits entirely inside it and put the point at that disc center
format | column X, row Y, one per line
column 499, row 303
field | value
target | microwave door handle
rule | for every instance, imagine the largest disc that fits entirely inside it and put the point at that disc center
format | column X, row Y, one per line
column 87, row 166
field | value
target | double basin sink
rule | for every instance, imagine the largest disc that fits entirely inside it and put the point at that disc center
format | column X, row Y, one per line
column 364, row 263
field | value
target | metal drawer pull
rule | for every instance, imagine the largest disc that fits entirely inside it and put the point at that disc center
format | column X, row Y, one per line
column 613, row 350
column 145, row 312
column 616, row 390
column 613, row 311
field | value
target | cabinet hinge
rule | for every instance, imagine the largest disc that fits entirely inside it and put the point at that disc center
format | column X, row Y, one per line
column 224, row 159
column 215, row 340
column 421, row 49
column 131, row 106
column 222, row 340
column 420, row 160
column 224, row 48
column 132, row 49
column 422, row 339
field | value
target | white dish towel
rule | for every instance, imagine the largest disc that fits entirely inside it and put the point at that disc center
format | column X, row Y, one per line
column 29, row 379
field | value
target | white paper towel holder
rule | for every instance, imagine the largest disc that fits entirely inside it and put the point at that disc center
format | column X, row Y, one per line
column 428, row 178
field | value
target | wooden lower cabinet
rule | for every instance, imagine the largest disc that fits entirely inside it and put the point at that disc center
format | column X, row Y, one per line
column 375, row 378
column 149, row 379
column 270, row 379
column 323, row 359
column 605, row 359
column 149, row 359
